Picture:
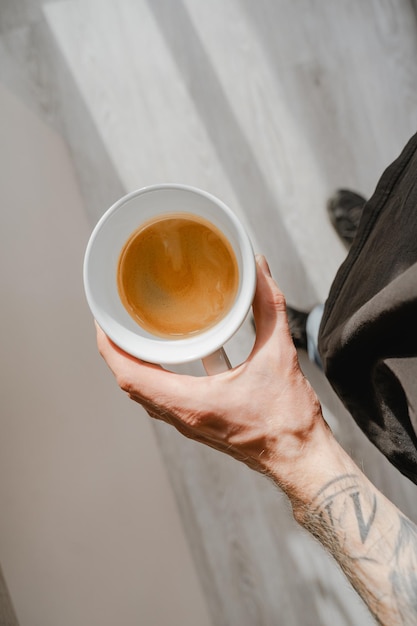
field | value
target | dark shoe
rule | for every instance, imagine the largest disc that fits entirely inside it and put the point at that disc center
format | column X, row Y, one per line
column 345, row 211
column 297, row 321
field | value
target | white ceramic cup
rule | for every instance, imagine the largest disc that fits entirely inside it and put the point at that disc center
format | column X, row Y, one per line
column 100, row 280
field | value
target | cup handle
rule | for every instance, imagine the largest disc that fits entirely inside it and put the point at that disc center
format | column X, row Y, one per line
column 216, row 363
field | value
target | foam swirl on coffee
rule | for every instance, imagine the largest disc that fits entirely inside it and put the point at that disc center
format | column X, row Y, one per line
column 177, row 275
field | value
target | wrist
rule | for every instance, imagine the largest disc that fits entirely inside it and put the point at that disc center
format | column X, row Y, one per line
column 320, row 460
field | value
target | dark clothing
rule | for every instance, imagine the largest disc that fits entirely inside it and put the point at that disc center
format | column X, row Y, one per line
column 368, row 334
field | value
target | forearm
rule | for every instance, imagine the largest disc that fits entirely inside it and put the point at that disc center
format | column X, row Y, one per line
column 375, row 545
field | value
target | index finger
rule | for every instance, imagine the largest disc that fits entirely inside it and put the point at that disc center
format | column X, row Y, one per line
column 139, row 378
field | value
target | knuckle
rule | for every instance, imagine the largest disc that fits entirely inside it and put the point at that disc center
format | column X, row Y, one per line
column 278, row 300
column 124, row 383
column 194, row 420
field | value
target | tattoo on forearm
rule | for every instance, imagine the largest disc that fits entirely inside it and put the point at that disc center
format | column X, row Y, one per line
column 403, row 574
column 364, row 526
column 375, row 545
column 341, row 497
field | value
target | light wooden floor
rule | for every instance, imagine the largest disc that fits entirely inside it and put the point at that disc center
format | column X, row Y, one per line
column 270, row 105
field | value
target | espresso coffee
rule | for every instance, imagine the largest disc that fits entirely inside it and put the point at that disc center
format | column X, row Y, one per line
column 177, row 275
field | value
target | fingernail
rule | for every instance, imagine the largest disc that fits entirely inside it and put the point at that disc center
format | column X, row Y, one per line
column 263, row 264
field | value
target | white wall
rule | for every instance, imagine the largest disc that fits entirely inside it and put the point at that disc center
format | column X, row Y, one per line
column 89, row 531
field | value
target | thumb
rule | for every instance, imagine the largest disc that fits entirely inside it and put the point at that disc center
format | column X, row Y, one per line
column 269, row 308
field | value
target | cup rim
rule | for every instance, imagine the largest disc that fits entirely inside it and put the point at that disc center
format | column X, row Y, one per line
column 183, row 350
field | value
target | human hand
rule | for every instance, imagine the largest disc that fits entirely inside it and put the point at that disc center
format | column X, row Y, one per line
column 263, row 412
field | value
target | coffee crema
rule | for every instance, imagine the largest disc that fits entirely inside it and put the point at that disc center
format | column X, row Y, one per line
column 177, row 275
